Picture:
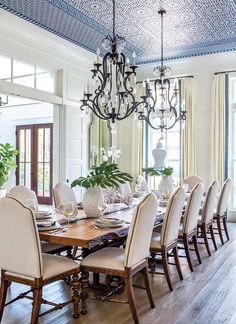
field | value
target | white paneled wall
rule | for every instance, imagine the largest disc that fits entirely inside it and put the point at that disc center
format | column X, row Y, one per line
column 76, row 142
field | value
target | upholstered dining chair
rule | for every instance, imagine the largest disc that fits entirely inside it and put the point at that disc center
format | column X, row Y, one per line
column 63, row 192
column 188, row 228
column 167, row 239
column 142, row 184
column 192, row 181
column 23, row 193
column 221, row 209
column 125, row 188
column 206, row 215
column 22, row 261
column 126, row 262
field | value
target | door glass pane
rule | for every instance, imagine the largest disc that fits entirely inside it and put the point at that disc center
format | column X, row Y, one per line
column 47, row 180
column 47, row 145
column 25, row 157
column 40, row 180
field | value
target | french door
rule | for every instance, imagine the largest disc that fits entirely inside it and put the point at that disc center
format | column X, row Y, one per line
column 34, row 161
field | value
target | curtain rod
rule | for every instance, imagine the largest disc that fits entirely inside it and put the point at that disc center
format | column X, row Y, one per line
column 225, row 72
column 181, row 77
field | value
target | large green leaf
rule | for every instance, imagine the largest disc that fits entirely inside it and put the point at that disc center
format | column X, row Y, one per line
column 105, row 175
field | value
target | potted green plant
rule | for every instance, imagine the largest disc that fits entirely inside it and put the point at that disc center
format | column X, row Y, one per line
column 104, row 176
column 166, row 185
column 7, row 156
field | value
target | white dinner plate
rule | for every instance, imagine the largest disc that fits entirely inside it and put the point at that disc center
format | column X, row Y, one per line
column 49, row 228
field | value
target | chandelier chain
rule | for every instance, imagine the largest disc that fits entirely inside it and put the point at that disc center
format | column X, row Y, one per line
column 162, row 38
column 114, row 18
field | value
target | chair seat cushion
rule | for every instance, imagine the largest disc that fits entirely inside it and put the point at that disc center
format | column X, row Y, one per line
column 47, row 247
column 108, row 258
column 155, row 241
column 53, row 265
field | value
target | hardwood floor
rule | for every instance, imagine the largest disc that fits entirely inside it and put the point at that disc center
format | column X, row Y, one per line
column 208, row 295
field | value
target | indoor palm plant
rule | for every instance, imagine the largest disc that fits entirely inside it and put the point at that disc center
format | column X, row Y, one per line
column 166, row 185
column 7, row 157
column 104, row 176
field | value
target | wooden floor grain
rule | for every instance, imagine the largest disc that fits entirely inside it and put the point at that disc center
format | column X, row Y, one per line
column 208, row 295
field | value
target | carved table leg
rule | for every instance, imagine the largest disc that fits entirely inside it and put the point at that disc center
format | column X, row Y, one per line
column 76, row 294
column 84, row 294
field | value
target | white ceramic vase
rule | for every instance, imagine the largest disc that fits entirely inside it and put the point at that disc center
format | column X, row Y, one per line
column 91, row 199
column 166, row 186
column 3, row 193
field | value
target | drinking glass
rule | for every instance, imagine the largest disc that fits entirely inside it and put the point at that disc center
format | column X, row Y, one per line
column 69, row 209
column 31, row 203
column 102, row 207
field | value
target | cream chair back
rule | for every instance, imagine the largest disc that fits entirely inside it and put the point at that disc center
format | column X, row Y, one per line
column 192, row 181
column 125, row 188
column 170, row 227
column 140, row 231
column 223, row 200
column 20, row 250
column 142, row 184
column 210, row 202
column 23, row 193
column 63, row 193
column 192, row 209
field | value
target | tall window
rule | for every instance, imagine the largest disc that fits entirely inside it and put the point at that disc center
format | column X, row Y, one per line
column 172, row 144
column 25, row 74
column 232, row 137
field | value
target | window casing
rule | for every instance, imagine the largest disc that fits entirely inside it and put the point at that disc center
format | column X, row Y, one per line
column 28, row 75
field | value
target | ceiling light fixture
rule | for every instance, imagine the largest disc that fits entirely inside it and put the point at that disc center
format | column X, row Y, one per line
column 159, row 105
column 111, row 94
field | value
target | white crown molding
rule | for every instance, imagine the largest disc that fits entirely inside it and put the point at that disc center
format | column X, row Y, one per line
column 25, row 41
column 209, row 63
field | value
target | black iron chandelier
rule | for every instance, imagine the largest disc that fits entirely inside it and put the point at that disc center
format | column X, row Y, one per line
column 159, row 108
column 111, row 96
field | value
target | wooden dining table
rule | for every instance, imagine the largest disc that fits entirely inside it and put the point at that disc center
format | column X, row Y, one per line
column 85, row 234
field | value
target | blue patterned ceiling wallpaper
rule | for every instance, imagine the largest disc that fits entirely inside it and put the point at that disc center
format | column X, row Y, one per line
column 191, row 27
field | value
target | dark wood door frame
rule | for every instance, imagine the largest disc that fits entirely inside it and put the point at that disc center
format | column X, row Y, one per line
column 34, row 158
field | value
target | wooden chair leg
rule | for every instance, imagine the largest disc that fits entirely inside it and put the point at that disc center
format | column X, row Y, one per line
column 84, row 295
column 3, row 296
column 166, row 269
column 76, row 294
column 196, row 248
column 148, row 287
column 225, row 227
column 75, row 249
column 213, row 236
column 186, row 247
column 176, row 257
column 220, row 230
column 130, row 294
column 204, row 235
column 37, row 294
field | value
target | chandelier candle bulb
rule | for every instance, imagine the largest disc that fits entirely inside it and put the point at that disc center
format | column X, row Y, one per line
column 134, row 57
column 98, row 55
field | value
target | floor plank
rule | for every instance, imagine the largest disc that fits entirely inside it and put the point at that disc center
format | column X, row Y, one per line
column 205, row 296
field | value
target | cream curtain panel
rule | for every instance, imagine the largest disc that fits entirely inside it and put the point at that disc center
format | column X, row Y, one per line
column 188, row 139
column 217, row 160
column 137, row 162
